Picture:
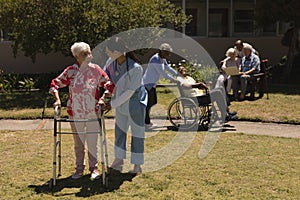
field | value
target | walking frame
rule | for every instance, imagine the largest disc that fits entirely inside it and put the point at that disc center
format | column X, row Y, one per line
column 57, row 144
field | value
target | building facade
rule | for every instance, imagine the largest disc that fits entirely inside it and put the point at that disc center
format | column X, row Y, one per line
column 216, row 25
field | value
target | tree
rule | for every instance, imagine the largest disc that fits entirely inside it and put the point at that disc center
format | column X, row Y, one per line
column 271, row 11
column 43, row 26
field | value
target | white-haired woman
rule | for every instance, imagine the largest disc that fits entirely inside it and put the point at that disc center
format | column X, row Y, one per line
column 84, row 80
column 231, row 60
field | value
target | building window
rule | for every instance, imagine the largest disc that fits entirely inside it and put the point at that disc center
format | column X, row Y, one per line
column 244, row 21
column 218, row 22
column 282, row 27
column 270, row 28
column 191, row 28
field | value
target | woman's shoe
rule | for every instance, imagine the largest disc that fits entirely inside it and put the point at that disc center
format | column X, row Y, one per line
column 77, row 175
column 232, row 113
column 95, row 174
column 136, row 170
column 117, row 164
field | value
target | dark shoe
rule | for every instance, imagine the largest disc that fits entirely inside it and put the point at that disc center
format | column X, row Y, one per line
column 242, row 97
column 77, row 175
column 234, row 118
column 232, row 113
column 230, row 118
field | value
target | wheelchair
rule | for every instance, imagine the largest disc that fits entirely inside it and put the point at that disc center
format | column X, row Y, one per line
column 186, row 113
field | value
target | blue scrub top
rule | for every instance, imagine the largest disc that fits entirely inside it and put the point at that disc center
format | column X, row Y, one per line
column 128, row 76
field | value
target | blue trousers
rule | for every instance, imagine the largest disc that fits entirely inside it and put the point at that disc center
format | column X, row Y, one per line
column 130, row 114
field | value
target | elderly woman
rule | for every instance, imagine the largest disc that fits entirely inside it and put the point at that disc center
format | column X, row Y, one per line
column 231, row 60
column 84, row 80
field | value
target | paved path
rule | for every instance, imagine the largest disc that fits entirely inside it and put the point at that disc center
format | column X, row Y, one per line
column 256, row 128
column 259, row 128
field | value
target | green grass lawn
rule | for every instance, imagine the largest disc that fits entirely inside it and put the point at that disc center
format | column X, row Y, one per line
column 280, row 107
column 239, row 167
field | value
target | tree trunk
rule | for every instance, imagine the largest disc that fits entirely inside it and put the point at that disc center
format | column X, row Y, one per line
column 291, row 54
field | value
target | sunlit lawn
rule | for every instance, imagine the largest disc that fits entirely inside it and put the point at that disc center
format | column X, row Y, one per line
column 239, row 167
column 280, row 107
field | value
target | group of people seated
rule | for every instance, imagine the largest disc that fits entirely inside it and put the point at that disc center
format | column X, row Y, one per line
column 240, row 63
column 237, row 68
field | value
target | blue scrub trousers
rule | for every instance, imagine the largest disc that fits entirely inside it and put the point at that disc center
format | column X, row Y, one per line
column 131, row 114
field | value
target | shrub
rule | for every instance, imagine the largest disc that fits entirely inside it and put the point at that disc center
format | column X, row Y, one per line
column 11, row 82
column 201, row 73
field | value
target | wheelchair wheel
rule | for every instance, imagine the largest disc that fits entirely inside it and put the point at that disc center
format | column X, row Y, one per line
column 183, row 113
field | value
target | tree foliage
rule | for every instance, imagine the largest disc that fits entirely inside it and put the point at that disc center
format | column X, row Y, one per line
column 43, row 26
column 271, row 11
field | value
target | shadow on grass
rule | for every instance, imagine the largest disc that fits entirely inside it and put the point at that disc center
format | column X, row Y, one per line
column 176, row 129
column 228, row 127
column 87, row 187
column 287, row 89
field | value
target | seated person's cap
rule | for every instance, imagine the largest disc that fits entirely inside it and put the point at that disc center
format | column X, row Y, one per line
column 165, row 47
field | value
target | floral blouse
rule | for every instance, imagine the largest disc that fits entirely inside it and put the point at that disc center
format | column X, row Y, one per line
column 84, row 88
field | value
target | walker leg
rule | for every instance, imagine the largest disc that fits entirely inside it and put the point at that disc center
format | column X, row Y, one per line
column 53, row 182
column 59, row 151
column 101, row 151
column 105, row 150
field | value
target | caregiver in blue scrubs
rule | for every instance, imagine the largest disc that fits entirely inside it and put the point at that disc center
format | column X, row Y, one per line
column 130, row 101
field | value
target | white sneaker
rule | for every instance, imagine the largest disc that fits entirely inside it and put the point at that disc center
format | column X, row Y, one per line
column 117, row 164
column 136, row 169
column 95, row 174
column 150, row 125
column 77, row 175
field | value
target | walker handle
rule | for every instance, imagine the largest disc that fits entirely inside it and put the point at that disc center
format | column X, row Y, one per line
column 100, row 111
column 57, row 110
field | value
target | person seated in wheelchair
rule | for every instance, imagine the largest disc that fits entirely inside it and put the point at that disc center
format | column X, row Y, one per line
column 191, row 88
column 250, row 65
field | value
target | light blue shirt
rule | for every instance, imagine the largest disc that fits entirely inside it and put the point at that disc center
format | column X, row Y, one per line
column 127, row 79
column 157, row 67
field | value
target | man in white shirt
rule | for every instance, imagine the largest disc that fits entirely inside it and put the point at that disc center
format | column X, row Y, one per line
column 239, row 45
column 157, row 68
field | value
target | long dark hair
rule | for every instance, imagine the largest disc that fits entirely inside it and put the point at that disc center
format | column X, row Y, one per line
column 117, row 44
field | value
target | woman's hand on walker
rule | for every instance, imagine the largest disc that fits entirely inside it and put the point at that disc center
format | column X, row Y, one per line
column 57, row 103
column 105, row 107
